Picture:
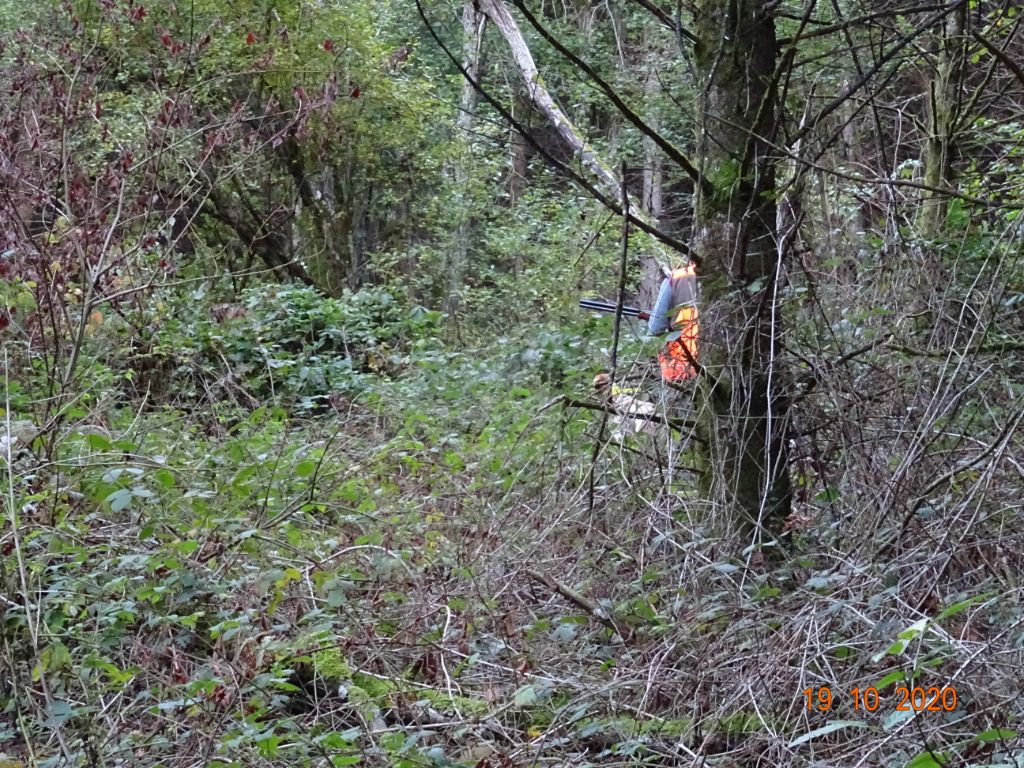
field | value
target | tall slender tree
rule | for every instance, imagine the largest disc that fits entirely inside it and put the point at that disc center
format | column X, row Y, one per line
column 458, row 256
column 744, row 407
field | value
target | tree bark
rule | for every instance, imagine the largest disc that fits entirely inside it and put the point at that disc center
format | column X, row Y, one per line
column 743, row 405
column 541, row 98
column 458, row 257
column 941, row 114
column 650, row 268
column 519, row 149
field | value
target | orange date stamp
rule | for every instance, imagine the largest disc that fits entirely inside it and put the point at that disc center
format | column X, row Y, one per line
column 916, row 699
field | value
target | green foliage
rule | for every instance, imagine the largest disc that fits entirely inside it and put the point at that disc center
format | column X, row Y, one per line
column 286, row 341
column 250, row 522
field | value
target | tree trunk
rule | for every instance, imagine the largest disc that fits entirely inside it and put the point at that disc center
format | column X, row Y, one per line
column 458, row 257
column 744, row 408
column 541, row 98
column 267, row 238
column 941, row 114
column 650, row 269
column 519, row 149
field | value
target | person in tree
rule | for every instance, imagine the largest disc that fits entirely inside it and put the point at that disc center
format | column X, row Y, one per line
column 676, row 310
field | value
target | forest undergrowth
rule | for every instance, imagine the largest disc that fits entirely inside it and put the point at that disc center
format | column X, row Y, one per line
column 439, row 561
column 266, row 505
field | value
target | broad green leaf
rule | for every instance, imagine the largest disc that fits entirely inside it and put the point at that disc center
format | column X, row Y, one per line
column 119, row 499
column 928, row 760
column 963, row 605
column 995, row 734
column 896, row 676
column 525, row 696
column 97, row 441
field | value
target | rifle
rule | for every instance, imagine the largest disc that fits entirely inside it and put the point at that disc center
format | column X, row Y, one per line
column 600, row 305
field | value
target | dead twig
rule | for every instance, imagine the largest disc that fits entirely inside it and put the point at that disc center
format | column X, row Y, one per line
column 583, row 602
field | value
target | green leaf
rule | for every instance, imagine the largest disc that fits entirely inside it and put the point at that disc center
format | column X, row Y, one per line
column 97, row 441
column 187, row 547
column 59, row 712
column 56, row 657
column 828, row 495
column 268, row 746
column 928, row 760
column 897, row 675
column 305, row 468
column 896, row 717
column 165, row 478
column 525, row 696
column 904, row 639
column 835, row 725
column 995, row 734
column 955, row 608
column 119, row 499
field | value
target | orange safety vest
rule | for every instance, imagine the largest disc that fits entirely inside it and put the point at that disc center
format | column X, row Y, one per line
column 674, row 360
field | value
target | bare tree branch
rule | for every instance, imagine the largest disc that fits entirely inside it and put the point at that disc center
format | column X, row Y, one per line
column 607, row 200
column 674, row 154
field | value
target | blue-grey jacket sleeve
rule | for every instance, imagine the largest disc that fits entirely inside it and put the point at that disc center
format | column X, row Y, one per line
column 661, row 321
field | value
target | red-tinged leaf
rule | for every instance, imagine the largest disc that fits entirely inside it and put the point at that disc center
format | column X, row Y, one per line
column 250, row 39
column 328, row 45
column 165, row 39
column 354, row 93
column 98, row 109
column 139, row 13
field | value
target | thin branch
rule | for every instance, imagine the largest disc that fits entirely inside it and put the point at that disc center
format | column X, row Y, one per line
column 997, row 444
column 866, row 78
column 1008, row 61
column 844, row 25
column 674, row 154
column 677, row 423
column 666, row 20
column 583, row 602
column 606, row 200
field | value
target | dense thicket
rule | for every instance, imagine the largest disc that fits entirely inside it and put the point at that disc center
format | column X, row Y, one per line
column 301, row 464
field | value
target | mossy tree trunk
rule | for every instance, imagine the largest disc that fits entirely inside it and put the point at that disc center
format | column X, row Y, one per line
column 942, row 114
column 742, row 400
